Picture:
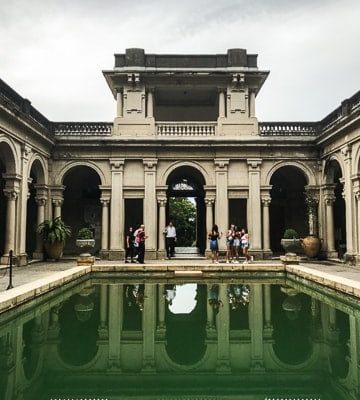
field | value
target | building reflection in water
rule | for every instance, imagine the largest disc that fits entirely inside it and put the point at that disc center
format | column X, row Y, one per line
column 234, row 338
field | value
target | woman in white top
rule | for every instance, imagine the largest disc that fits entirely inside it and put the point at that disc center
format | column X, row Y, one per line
column 245, row 244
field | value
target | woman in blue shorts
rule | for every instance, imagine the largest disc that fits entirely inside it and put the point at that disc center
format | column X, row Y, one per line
column 214, row 237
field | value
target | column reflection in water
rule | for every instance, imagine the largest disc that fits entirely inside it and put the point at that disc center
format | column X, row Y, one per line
column 198, row 338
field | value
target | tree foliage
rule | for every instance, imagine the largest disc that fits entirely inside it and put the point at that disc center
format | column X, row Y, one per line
column 182, row 213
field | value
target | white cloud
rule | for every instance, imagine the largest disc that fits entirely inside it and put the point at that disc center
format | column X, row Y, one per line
column 52, row 52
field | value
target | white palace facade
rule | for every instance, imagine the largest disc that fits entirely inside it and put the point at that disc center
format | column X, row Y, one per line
column 182, row 121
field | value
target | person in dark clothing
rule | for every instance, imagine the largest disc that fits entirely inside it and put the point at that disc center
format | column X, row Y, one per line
column 130, row 248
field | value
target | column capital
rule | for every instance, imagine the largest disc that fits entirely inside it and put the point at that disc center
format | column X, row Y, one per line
column 209, row 201
column 105, row 201
column 312, row 193
column 329, row 199
column 357, row 194
column 117, row 164
column 346, row 152
column 41, row 200
column 57, row 202
column 150, row 164
column 254, row 164
column 266, row 201
column 162, row 201
column 11, row 194
column 26, row 152
column 221, row 164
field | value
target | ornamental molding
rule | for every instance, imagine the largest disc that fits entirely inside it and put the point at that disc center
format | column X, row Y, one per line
column 11, row 194
column 254, row 163
column 222, row 163
column 346, row 152
column 150, row 164
column 117, row 164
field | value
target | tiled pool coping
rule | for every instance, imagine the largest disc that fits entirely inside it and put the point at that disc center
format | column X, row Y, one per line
column 340, row 278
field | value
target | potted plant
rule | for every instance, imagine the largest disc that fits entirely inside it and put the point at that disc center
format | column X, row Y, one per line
column 290, row 241
column 54, row 233
column 85, row 240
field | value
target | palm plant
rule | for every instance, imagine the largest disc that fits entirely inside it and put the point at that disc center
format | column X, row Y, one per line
column 54, row 230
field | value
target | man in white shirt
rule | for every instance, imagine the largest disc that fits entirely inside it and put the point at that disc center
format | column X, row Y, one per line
column 170, row 239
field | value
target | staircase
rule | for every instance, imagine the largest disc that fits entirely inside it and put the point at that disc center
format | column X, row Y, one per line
column 188, row 253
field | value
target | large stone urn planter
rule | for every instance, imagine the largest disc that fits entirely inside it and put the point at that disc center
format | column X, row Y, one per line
column 311, row 245
column 291, row 245
column 85, row 246
column 53, row 251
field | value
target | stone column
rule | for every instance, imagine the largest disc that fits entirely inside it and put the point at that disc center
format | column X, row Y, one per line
column 150, row 104
column 266, row 223
column 11, row 197
column 267, row 305
column 41, row 203
column 117, row 210
column 57, row 204
column 161, row 306
column 252, row 104
column 353, row 377
column 329, row 200
column 150, row 206
column 162, row 223
column 254, row 205
column 256, row 326
column 209, row 202
column 357, row 195
column 105, row 224
column 116, row 298
column 22, row 206
column 312, row 204
column 149, row 323
column 348, row 196
column 222, row 111
column 119, row 104
column 223, row 329
column 103, row 331
column 221, row 199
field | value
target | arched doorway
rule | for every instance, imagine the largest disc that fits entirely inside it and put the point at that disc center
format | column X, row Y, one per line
column 82, row 207
column 186, row 208
column 287, row 207
column 335, row 188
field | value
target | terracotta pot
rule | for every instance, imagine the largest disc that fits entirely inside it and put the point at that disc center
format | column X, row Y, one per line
column 54, row 250
column 311, row 245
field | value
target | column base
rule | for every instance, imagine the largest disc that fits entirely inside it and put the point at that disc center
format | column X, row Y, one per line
column 208, row 254
column 257, row 254
column 116, row 255
column 332, row 254
column 161, row 254
column 267, row 254
column 350, row 258
column 21, row 260
column 151, row 254
column 104, row 254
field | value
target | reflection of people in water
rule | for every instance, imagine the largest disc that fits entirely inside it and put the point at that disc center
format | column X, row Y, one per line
column 214, row 298
column 170, row 293
column 135, row 295
column 238, row 295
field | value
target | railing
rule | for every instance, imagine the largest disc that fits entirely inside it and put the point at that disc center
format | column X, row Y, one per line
column 186, row 128
column 288, row 128
column 82, row 128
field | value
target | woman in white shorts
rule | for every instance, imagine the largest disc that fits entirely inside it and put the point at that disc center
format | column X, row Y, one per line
column 245, row 244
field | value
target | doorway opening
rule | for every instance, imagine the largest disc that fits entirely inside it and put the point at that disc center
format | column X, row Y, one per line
column 186, row 210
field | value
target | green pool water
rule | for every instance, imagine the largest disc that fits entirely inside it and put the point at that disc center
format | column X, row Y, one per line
column 238, row 338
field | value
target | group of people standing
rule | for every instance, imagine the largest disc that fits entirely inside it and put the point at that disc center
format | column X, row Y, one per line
column 237, row 244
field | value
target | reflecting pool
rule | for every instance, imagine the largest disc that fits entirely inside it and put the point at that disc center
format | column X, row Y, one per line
column 171, row 339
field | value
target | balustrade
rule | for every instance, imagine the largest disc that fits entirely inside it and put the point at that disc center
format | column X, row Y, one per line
column 186, row 128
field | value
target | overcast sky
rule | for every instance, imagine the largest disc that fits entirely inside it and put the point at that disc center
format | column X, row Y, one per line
column 53, row 51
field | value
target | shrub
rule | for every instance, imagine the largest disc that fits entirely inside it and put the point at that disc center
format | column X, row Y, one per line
column 290, row 234
column 54, row 230
column 85, row 233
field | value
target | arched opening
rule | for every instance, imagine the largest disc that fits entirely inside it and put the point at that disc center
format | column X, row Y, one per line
column 82, row 206
column 186, row 209
column 287, row 207
column 186, row 332
column 291, row 319
column 37, row 177
column 7, row 166
column 79, row 321
column 334, row 179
